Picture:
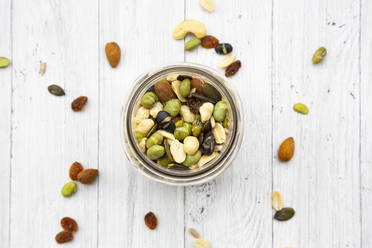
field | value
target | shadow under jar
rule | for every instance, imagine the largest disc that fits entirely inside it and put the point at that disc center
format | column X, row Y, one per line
column 178, row 175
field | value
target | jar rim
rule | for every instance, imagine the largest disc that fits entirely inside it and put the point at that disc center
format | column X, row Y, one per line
column 138, row 159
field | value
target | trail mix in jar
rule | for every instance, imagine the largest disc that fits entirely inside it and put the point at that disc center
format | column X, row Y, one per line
column 182, row 122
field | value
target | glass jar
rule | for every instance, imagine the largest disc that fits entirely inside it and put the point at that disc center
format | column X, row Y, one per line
column 169, row 175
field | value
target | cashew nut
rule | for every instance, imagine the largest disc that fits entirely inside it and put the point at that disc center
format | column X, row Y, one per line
column 142, row 114
column 206, row 110
column 219, row 133
column 189, row 26
column 186, row 114
column 156, row 108
column 176, row 149
column 142, row 144
column 228, row 60
column 176, row 88
column 206, row 158
column 144, row 126
column 213, row 122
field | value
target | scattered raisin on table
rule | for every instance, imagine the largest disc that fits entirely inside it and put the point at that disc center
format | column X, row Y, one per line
column 64, row 236
column 151, row 221
column 79, row 103
column 69, row 224
column 194, row 104
column 233, row 68
column 209, row 42
column 75, row 168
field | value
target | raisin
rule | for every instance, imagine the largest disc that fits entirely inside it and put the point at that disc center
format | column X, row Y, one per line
column 79, row 103
column 209, row 42
column 151, row 221
column 194, row 104
column 75, row 169
column 69, row 224
column 64, row 236
column 233, row 68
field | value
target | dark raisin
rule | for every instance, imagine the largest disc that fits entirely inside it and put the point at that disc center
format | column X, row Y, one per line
column 64, row 236
column 69, row 224
column 182, row 77
column 207, row 146
column 223, row 48
column 75, row 169
column 79, row 103
column 209, row 42
column 194, row 104
column 233, row 68
column 151, row 221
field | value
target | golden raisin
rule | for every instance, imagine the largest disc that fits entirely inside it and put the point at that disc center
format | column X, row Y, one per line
column 233, row 68
column 69, row 224
column 151, row 221
column 64, row 236
column 209, row 42
column 75, row 169
column 79, row 103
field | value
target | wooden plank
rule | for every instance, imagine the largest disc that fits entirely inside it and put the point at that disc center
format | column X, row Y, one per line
column 143, row 29
column 322, row 181
column 5, row 122
column 235, row 209
column 47, row 135
column 366, row 121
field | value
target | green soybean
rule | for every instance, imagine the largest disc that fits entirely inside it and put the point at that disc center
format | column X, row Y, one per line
column 185, row 87
column 192, row 159
column 148, row 99
column 220, row 110
column 155, row 152
column 173, row 107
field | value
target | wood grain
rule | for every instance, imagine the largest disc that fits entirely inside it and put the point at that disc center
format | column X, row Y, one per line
column 366, row 121
column 47, row 135
column 235, row 209
column 321, row 182
column 328, row 182
column 143, row 31
column 5, row 122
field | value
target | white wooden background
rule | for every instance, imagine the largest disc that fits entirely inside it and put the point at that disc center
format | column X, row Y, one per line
column 328, row 182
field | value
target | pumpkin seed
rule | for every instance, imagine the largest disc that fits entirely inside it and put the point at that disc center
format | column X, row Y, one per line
column 191, row 44
column 203, row 98
column 277, row 200
column 319, row 55
column 284, row 214
column 301, row 108
column 56, row 90
column 4, row 62
column 194, row 233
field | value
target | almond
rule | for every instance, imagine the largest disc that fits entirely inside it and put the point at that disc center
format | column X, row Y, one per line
column 164, row 91
column 87, row 176
column 286, row 149
column 197, row 84
column 113, row 53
